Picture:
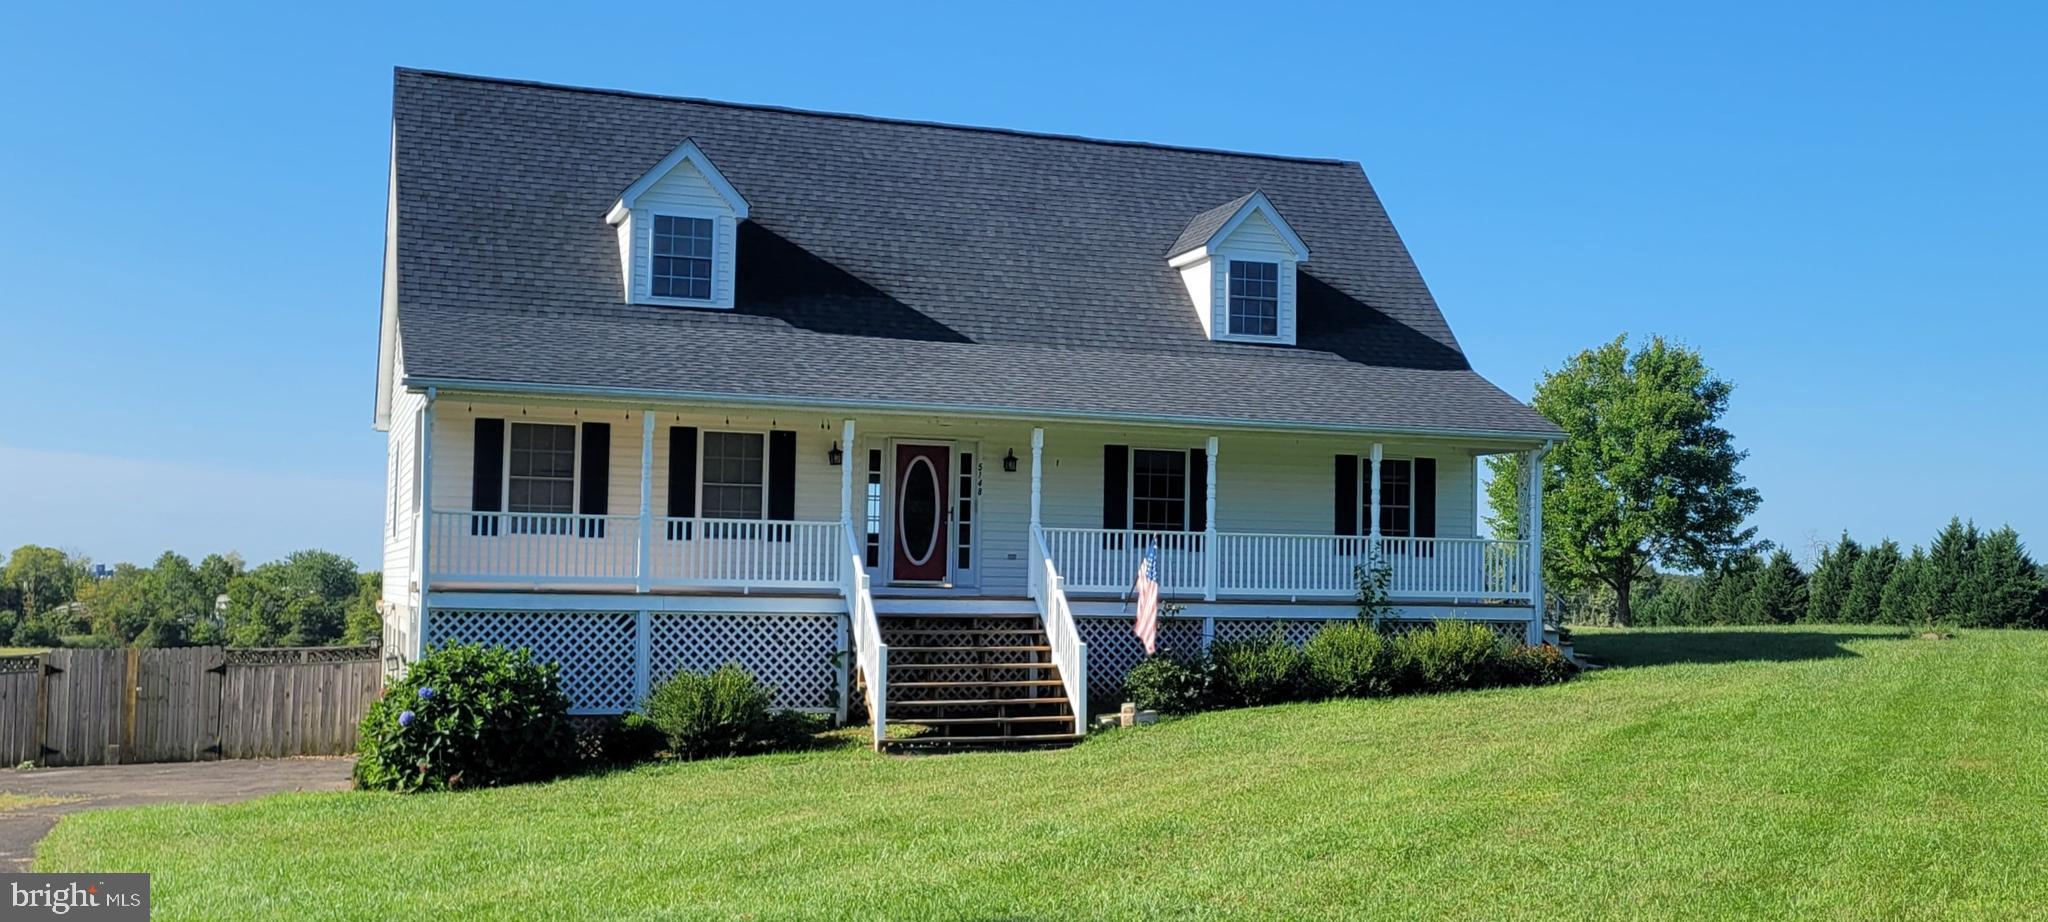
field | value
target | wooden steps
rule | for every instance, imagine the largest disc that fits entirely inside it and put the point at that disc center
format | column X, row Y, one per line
column 976, row 680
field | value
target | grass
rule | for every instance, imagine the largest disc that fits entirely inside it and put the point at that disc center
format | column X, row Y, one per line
column 12, row 802
column 1809, row 773
column 21, row 651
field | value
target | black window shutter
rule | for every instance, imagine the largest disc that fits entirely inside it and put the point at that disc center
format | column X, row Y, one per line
column 487, row 475
column 1116, row 486
column 782, row 475
column 1345, row 512
column 1198, row 489
column 682, row 472
column 1423, row 483
column 597, row 476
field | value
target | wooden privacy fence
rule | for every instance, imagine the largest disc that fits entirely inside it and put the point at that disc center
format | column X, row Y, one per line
column 182, row 704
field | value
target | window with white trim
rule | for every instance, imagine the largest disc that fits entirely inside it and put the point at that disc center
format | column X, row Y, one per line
column 1397, row 497
column 1159, row 490
column 735, row 475
column 682, row 257
column 1254, row 298
column 540, row 474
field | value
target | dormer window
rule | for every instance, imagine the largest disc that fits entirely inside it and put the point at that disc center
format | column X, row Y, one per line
column 682, row 257
column 678, row 227
column 1254, row 298
column 1238, row 262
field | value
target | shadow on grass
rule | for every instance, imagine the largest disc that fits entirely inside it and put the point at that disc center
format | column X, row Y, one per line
column 1664, row 647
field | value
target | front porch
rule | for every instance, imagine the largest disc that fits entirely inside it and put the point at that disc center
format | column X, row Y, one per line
column 633, row 542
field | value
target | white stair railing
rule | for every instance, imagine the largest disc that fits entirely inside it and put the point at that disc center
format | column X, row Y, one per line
column 870, row 654
column 1069, row 653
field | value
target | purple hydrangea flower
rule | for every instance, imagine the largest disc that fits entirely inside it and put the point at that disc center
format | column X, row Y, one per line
column 426, row 694
column 405, row 718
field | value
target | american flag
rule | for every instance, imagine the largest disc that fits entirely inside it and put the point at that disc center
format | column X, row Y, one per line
column 1147, row 626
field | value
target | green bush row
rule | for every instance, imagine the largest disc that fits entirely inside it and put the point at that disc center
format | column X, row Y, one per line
column 468, row 715
column 1349, row 660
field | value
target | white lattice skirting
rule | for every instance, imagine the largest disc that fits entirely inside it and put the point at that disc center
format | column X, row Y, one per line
column 1113, row 650
column 600, row 658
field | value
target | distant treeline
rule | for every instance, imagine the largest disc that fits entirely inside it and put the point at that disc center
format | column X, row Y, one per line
column 49, row 598
column 1964, row 578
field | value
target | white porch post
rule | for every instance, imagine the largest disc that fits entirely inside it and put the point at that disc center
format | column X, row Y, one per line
column 424, row 524
column 1037, row 473
column 846, row 476
column 645, row 568
column 1372, row 529
column 1533, row 462
column 1211, row 551
column 642, row 660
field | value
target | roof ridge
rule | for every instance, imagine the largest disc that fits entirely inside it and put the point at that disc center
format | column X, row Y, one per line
column 877, row 119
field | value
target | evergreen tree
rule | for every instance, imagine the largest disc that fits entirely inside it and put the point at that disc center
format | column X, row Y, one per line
column 1780, row 593
column 1903, row 601
column 2010, row 582
column 1873, row 570
column 1949, row 587
column 1730, row 604
column 1828, row 590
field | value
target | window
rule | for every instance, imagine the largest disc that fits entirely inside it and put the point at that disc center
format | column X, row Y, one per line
column 735, row 475
column 541, row 469
column 1397, row 497
column 682, row 257
column 1254, row 298
column 965, row 520
column 1159, row 490
column 874, row 504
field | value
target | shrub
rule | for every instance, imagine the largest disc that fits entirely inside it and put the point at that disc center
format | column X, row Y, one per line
column 1451, row 654
column 718, row 713
column 1266, row 670
column 467, row 716
column 628, row 740
column 1169, row 683
column 1354, row 660
column 1539, row 665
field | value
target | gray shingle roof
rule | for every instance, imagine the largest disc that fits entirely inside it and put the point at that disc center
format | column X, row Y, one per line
column 1206, row 224
column 899, row 264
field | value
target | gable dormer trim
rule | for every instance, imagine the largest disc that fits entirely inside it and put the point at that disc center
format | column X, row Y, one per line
column 689, row 151
column 1199, row 240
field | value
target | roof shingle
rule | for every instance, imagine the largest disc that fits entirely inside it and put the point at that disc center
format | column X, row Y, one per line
column 899, row 264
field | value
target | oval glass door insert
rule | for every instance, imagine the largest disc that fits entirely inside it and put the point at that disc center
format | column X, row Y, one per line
column 917, row 517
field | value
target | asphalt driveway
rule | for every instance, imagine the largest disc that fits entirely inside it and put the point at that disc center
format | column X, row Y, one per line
column 96, row 786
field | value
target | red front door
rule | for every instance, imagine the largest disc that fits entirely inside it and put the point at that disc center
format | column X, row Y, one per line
column 922, row 512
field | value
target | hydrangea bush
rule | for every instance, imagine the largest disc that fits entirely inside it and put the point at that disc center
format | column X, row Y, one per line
column 467, row 716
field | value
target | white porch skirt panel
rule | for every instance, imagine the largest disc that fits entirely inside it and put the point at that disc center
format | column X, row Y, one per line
column 1113, row 650
column 594, row 649
column 791, row 653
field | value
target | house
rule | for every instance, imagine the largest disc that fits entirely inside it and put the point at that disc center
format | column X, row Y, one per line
column 889, row 411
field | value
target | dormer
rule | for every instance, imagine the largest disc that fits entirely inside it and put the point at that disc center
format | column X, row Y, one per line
column 1238, row 261
column 678, row 227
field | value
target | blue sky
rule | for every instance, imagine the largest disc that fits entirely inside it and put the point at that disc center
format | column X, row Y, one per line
column 1841, row 206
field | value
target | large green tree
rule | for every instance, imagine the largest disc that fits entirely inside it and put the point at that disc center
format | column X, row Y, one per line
column 2013, row 592
column 1867, row 581
column 1645, row 475
column 1827, row 598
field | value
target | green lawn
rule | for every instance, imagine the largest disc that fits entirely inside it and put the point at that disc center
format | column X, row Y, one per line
column 1844, row 773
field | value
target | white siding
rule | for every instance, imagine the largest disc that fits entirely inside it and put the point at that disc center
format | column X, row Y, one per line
column 401, row 466
column 1201, row 286
column 1266, row 482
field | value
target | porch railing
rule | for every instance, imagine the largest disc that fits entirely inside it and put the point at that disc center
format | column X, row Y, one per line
column 1069, row 652
column 1106, row 559
column 525, row 549
column 748, row 553
column 522, row 549
column 1099, row 560
column 870, row 654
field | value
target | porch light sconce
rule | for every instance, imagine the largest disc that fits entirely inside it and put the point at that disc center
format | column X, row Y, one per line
column 836, row 456
column 1010, row 461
